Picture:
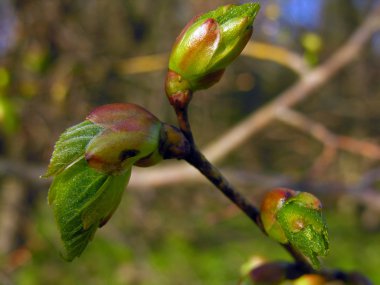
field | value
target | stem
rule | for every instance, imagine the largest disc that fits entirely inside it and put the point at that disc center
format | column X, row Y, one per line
column 299, row 258
column 200, row 162
column 197, row 159
column 184, row 123
column 180, row 102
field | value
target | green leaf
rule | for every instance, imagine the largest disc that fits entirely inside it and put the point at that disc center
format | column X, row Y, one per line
column 305, row 229
column 71, row 146
column 83, row 200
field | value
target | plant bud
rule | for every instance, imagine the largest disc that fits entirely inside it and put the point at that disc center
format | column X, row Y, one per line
column 272, row 273
column 356, row 278
column 272, row 203
column 310, row 279
column 173, row 143
column 296, row 218
column 92, row 163
column 206, row 46
column 131, row 134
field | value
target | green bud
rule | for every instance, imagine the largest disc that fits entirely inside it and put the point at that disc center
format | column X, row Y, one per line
column 296, row 218
column 131, row 134
column 207, row 45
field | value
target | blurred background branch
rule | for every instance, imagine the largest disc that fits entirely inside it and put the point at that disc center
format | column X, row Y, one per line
column 262, row 51
column 328, row 138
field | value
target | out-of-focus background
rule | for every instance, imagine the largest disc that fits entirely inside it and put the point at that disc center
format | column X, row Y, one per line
column 60, row 59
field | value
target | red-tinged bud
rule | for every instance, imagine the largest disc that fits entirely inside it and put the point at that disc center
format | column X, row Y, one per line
column 272, row 273
column 205, row 47
column 130, row 134
column 179, row 90
column 122, row 116
column 193, row 52
column 296, row 218
column 270, row 206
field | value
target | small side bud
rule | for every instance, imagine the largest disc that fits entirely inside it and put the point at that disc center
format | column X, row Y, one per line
column 295, row 217
column 272, row 273
column 178, row 90
column 173, row 143
column 310, row 279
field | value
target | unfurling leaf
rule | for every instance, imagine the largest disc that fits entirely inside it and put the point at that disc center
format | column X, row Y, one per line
column 91, row 165
column 295, row 217
column 83, row 200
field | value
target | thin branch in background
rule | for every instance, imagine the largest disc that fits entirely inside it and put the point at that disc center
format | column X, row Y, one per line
column 328, row 138
column 323, row 161
column 280, row 55
column 143, row 64
column 259, row 50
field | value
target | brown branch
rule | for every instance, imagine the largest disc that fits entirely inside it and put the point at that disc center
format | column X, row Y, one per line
column 196, row 159
column 142, row 64
column 323, row 161
column 31, row 172
column 209, row 171
column 331, row 140
column 277, row 54
column 183, row 123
